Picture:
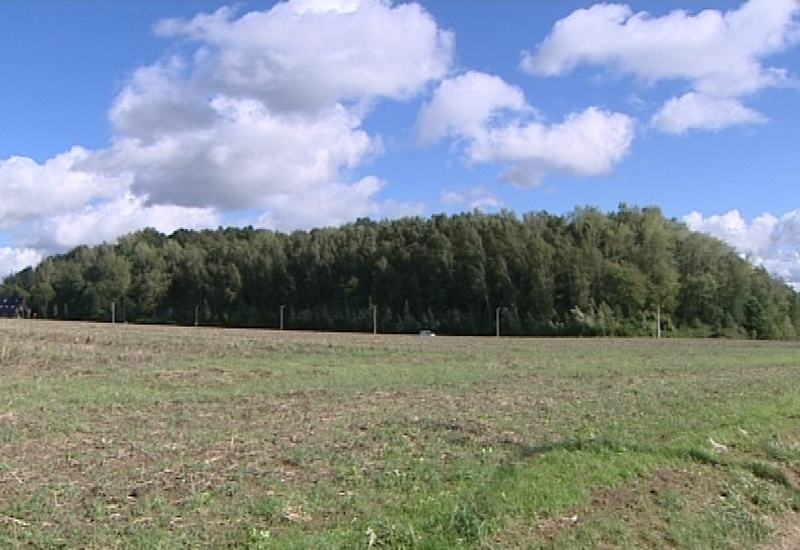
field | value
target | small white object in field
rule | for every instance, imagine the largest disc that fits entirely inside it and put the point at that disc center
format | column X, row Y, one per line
column 572, row 521
column 718, row 447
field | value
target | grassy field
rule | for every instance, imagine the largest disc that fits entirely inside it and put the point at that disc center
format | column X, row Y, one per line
column 163, row 437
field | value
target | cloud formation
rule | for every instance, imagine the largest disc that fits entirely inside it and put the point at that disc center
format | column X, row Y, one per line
column 720, row 55
column 268, row 112
column 244, row 158
column 31, row 190
column 694, row 110
column 105, row 221
column 258, row 119
column 492, row 122
column 767, row 240
column 16, row 259
column 305, row 56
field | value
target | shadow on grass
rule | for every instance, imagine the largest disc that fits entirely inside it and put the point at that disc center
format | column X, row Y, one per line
column 465, row 434
column 525, row 450
column 695, row 454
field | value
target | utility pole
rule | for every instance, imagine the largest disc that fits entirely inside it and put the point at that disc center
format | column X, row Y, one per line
column 113, row 318
column 374, row 319
column 282, row 308
column 658, row 321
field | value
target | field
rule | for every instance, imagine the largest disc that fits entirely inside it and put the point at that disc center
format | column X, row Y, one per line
column 121, row 436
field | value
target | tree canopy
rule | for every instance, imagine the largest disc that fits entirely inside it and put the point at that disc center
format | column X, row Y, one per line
column 585, row 273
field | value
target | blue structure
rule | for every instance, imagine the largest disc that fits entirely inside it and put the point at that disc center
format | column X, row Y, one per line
column 12, row 308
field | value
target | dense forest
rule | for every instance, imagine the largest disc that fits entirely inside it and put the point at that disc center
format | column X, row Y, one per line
column 585, row 273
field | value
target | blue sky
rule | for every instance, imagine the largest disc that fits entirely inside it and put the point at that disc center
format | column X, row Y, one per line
column 117, row 115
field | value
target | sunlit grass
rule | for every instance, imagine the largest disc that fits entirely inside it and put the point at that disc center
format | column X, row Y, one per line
column 140, row 437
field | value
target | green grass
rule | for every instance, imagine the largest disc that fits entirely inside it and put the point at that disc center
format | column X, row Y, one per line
column 164, row 437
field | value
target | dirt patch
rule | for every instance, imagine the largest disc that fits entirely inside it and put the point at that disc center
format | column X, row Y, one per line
column 787, row 533
column 793, row 477
column 622, row 502
column 638, row 505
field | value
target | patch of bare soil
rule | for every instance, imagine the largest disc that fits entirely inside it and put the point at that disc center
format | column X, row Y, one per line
column 787, row 533
column 793, row 477
column 787, row 527
column 637, row 505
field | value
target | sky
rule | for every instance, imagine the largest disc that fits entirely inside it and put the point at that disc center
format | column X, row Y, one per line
column 117, row 115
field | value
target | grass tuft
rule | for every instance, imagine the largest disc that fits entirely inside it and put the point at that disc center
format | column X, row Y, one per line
column 769, row 472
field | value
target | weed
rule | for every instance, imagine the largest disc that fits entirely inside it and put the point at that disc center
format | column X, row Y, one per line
column 703, row 456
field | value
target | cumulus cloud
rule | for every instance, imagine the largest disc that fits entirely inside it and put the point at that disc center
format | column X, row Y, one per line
column 719, row 54
column 695, row 110
column 770, row 241
column 748, row 238
column 494, row 123
column 31, row 190
column 268, row 112
column 466, row 104
column 259, row 117
column 104, row 222
column 16, row 259
column 337, row 203
column 244, row 158
column 585, row 144
column 307, row 55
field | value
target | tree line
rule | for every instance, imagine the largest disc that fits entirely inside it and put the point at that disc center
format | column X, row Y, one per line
column 583, row 273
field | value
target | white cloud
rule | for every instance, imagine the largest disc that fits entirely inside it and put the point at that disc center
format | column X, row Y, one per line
column 259, row 117
column 585, row 144
column 268, row 112
column 493, row 122
column 307, row 55
column 335, row 204
column 159, row 100
column 721, row 55
column 31, row 190
column 17, row 259
column 104, row 222
column 244, row 158
column 767, row 240
column 748, row 238
column 695, row 110
column 465, row 105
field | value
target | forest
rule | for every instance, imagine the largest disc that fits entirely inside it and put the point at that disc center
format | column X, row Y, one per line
column 584, row 273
